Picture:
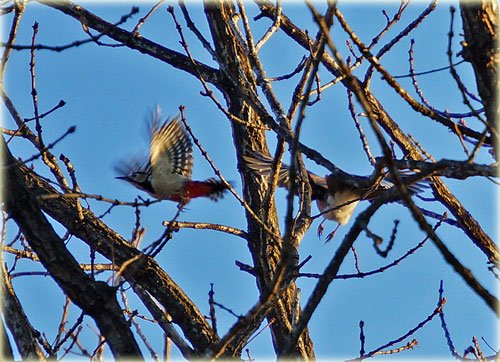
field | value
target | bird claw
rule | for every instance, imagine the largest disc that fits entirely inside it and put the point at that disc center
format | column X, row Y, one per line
column 320, row 230
column 332, row 234
column 182, row 205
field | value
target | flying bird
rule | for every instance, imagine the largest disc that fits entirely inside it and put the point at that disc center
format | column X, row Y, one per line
column 166, row 174
column 335, row 199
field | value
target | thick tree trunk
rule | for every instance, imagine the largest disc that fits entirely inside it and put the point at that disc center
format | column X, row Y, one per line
column 95, row 298
column 18, row 324
column 266, row 250
column 480, row 24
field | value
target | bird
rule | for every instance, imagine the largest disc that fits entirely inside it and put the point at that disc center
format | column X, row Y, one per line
column 166, row 173
column 336, row 200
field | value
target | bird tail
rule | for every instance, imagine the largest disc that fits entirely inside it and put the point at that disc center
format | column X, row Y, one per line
column 211, row 188
column 414, row 188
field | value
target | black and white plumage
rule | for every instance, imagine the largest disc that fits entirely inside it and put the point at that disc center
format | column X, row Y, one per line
column 166, row 174
column 336, row 199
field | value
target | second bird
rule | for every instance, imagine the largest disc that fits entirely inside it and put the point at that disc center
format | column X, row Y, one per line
column 335, row 199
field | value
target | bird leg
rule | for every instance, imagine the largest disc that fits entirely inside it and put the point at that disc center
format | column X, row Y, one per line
column 320, row 229
column 332, row 234
column 181, row 205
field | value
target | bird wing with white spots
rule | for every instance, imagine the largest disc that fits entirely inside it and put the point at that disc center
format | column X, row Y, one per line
column 171, row 149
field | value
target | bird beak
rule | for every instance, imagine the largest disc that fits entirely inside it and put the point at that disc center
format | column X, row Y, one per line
column 125, row 178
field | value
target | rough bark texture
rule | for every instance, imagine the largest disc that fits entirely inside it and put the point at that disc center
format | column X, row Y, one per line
column 480, row 24
column 27, row 202
column 466, row 221
column 16, row 320
column 266, row 251
column 144, row 271
column 96, row 298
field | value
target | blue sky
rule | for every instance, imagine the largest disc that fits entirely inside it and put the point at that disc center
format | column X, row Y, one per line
column 109, row 91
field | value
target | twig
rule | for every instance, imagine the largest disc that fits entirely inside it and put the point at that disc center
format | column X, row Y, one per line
column 420, row 93
column 70, row 332
column 384, row 253
column 425, row 72
column 356, row 259
column 223, row 307
column 143, row 19
column 420, row 148
column 297, row 70
column 202, row 225
column 362, row 337
column 390, row 22
column 76, row 187
column 477, row 147
column 463, row 90
column 375, row 271
column 138, row 328
column 245, row 267
column 420, row 325
column 274, row 27
column 164, row 321
column 113, row 202
column 418, row 107
column 153, row 249
column 221, row 177
column 260, row 331
column 447, row 335
column 409, row 345
column 19, row 7
column 191, row 26
column 364, row 141
column 51, row 145
column 417, row 215
column 61, row 104
column 331, row 271
column 207, row 91
column 60, row 48
column 413, row 25
column 211, row 306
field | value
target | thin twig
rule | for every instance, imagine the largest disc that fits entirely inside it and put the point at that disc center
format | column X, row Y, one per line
column 221, row 177
column 207, row 91
column 51, row 145
column 362, row 136
column 420, row 325
column 213, row 318
column 274, row 27
column 143, row 19
column 59, row 48
column 19, row 7
column 191, row 26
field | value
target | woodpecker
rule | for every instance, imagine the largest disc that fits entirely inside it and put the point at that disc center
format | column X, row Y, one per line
column 335, row 199
column 166, row 174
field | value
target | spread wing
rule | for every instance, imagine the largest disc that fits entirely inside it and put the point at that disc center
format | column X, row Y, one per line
column 170, row 150
column 262, row 164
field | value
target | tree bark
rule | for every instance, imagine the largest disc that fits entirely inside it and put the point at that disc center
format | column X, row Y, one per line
column 480, row 24
column 266, row 250
column 95, row 298
column 144, row 271
column 18, row 324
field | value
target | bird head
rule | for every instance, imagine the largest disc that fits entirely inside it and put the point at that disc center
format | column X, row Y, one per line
column 136, row 172
column 135, row 177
